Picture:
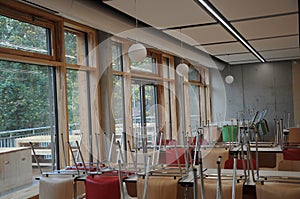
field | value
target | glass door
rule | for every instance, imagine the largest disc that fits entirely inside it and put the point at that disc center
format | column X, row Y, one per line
column 144, row 113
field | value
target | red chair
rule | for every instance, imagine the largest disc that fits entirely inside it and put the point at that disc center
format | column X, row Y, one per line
column 291, row 154
column 239, row 165
column 103, row 186
column 171, row 158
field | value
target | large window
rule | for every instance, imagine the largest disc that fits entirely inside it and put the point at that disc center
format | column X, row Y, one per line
column 168, row 103
column 27, row 86
column 149, row 105
column 195, row 108
column 117, row 104
column 27, row 107
column 144, row 113
column 37, row 80
column 198, row 110
column 78, row 91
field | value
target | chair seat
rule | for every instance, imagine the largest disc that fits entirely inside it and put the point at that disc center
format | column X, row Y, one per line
column 59, row 186
column 102, row 186
column 289, row 165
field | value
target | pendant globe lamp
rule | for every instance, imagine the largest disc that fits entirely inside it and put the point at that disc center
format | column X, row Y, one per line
column 229, row 78
column 137, row 51
column 182, row 68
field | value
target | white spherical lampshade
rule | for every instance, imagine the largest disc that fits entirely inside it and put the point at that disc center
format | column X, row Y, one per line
column 137, row 52
column 229, row 79
column 182, row 69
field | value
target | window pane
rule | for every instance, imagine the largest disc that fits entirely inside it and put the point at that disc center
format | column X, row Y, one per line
column 117, row 56
column 24, row 36
column 75, row 48
column 118, row 105
column 147, row 65
column 136, row 114
column 78, row 109
column 144, row 113
column 151, row 113
column 194, row 74
column 166, row 67
column 27, row 109
column 195, row 118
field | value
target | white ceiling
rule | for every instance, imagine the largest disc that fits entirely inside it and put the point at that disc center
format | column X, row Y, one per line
column 270, row 26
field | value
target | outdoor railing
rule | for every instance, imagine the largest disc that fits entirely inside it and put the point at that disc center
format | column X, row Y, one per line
column 7, row 138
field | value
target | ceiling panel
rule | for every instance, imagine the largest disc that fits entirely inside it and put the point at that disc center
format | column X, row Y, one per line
column 232, row 59
column 208, row 34
column 226, row 48
column 182, row 37
column 237, row 9
column 281, row 54
column 163, row 14
column 275, row 43
column 268, row 27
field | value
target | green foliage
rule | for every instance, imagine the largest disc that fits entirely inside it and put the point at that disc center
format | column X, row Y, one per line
column 73, row 97
column 25, row 100
column 26, row 90
column 71, row 47
column 23, row 36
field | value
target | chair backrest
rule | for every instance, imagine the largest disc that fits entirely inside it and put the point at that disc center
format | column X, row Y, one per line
column 294, row 136
column 210, row 156
column 289, row 165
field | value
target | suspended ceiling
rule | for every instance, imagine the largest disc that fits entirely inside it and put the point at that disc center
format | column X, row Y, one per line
column 271, row 27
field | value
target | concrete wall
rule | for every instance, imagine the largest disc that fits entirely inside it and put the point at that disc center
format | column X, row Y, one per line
column 257, row 87
column 296, row 90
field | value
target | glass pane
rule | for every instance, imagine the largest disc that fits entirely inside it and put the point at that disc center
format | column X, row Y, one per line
column 167, row 110
column 24, row 36
column 75, row 48
column 166, row 67
column 118, row 105
column 147, row 65
column 117, row 56
column 194, row 74
column 27, row 111
column 151, row 113
column 144, row 113
column 136, row 114
column 195, row 117
column 78, row 110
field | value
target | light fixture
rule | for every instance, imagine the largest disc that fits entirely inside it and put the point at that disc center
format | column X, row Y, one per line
column 220, row 18
column 137, row 51
column 229, row 79
column 182, row 69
